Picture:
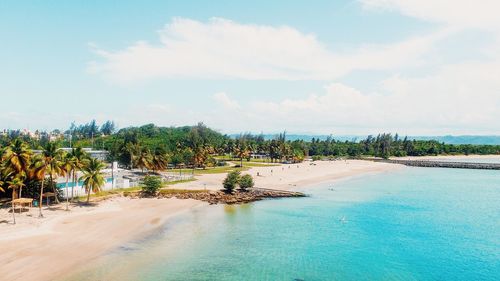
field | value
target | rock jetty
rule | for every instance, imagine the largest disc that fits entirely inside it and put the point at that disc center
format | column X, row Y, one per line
column 441, row 164
column 237, row 197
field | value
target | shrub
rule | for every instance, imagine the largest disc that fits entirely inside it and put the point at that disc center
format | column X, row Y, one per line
column 317, row 158
column 246, row 182
column 151, row 185
column 231, row 181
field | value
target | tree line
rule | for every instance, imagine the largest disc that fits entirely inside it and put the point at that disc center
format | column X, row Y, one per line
column 30, row 174
column 153, row 148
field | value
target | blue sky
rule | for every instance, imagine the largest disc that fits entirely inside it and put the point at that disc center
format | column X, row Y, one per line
column 340, row 67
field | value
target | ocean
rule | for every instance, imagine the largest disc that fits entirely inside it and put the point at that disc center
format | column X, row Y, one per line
column 409, row 224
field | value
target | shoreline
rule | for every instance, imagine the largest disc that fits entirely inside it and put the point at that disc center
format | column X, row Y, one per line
column 72, row 239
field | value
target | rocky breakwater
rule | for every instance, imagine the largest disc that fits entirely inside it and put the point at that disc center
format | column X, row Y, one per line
column 237, row 197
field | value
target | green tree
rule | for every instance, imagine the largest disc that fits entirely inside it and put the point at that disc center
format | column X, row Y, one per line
column 241, row 151
column 15, row 184
column 159, row 160
column 151, row 185
column 79, row 158
column 246, row 182
column 52, row 157
column 5, row 176
column 231, row 181
column 93, row 178
column 17, row 156
column 40, row 167
column 143, row 159
column 68, row 167
column 133, row 149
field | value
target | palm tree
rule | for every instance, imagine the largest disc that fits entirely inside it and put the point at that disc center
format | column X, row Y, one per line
column 241, row 151
column 17, row 158
column 93, row 178
column 68, row 165
column 15, row 184
column 5, row 175
column 79, row 158
column 53, row 156
column 132, row 149
column 159, row 160
column 143, row 159
column 199, row 156
column 39, row 170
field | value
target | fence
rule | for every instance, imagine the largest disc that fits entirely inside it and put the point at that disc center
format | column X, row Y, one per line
column 79, row 190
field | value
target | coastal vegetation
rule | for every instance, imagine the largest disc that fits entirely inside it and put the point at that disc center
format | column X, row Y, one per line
column 93, row 178
column 155, row 148
column 231, row 181
column 246, row 182
column 28, row 173
column 151, row 185
column 234, row 179
column 30, row 164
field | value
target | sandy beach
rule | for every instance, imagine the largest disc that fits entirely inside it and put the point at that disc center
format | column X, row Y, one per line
column 62, row 242
column 291, row 176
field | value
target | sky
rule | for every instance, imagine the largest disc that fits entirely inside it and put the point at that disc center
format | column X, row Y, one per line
column 416, row 67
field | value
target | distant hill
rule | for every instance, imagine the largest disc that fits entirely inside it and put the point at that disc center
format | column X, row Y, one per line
column 466, row 139
column 492, row 140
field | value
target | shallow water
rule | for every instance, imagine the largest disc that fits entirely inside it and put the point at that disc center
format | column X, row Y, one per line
column 412, row 224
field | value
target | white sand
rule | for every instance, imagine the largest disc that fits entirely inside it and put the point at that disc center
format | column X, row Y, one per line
column 295, row 175
column 63, row 242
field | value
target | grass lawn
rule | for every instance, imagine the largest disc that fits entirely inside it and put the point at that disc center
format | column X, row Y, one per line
column 232, row 159
column 105, row 193
column 253, row 164
column 211, row 170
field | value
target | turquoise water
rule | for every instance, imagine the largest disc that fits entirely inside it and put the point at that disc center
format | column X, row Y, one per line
column 412, row 224
column 80, row 183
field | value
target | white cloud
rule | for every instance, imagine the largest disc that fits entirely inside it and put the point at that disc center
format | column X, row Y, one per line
column 222, row 49
column 225, row 101
column 459, row 13
column 457, row 99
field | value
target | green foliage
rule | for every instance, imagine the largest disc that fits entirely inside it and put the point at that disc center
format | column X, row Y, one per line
column 93, row 178
column 189, row 149
column 231, row 181
column 317, row 157
column 151, row 185
column 246, row 182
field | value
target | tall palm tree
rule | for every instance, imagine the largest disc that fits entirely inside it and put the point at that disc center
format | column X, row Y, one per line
column 200, row 156
column 79, row 158
column 40, row 166
column 241, row 151
column 68, row 165
column 18, row 157
column 53, row 155
column 133, row 149
column 93, row 178
column 5, row 176
column 159, row 160
column 15, row 184
column 143, row 159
